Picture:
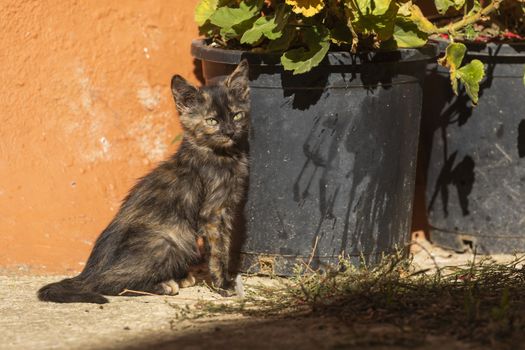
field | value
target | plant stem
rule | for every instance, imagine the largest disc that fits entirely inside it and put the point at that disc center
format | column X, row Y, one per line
column 355, row 39
column 453, row 27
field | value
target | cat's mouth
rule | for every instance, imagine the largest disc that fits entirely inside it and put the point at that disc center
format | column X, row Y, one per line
column 224, row 141
column 228, row 142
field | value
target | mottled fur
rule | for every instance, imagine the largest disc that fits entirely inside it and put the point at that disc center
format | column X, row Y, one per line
column 152, row 241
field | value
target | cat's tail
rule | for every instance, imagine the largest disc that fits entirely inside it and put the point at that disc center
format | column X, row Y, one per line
column 69, row 290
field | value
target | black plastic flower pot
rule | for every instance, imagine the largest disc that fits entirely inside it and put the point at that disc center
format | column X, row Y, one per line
column 472, row 158
column 332, row 155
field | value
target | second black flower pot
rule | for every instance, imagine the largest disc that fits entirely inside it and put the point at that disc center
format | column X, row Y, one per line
column 472, row 158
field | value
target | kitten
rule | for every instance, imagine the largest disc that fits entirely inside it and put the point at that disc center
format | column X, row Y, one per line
column 152, row 241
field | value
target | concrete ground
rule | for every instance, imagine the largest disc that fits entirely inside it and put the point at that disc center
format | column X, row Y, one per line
column 27, row 323
column 158, row 321
column 155, row 322
column 138, row 322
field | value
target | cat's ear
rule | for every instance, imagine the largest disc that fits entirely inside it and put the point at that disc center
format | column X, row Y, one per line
column 186, row 95
column 238, row 81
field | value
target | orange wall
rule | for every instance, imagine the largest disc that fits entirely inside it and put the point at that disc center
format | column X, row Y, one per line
column 85, row 109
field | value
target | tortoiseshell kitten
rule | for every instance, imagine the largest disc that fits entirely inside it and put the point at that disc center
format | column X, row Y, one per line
column 152, row 241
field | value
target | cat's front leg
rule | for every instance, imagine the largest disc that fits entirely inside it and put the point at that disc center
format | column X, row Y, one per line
column 218, row 244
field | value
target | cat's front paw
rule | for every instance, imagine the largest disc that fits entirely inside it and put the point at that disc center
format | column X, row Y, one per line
column 170, row 287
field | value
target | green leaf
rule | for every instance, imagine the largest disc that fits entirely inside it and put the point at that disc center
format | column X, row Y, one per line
column 302, row 60
column 269, row 26
column 375, row 20
column 255, row 33
column 237, row 30
column 443, row 5
column 413, row 13
column 373, row 7
column 470, row 32
column 204, row 9
column 422, row 22
column 470, row 75
column 453, row 56
column 283, row 43
column 281, row 19
column 235, row 21
column 227, row 17
column 476, row 7
column 381, row 7
column 407, row 34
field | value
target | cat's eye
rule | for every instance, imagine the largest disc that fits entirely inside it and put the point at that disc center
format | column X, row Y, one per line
column 212, row 121
column 238, row 116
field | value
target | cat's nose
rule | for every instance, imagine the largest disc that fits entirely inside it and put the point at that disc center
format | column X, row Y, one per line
column 229, row 133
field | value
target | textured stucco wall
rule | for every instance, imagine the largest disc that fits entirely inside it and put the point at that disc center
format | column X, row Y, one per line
column 85, row 109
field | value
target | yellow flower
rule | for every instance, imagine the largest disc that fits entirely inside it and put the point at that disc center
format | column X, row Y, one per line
column 307, row 8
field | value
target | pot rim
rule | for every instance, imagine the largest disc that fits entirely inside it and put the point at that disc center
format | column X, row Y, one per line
column 490, row 49
column 202, row 51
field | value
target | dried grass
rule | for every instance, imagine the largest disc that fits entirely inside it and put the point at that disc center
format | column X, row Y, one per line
column 483, row 302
